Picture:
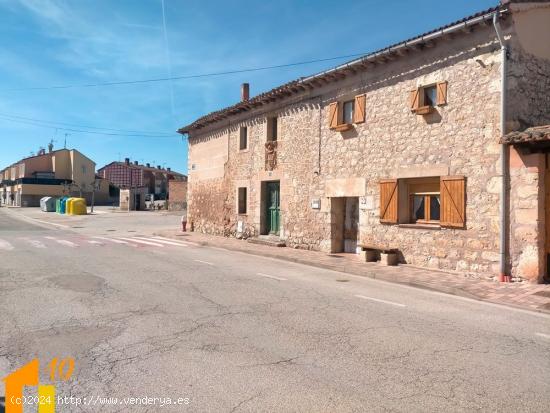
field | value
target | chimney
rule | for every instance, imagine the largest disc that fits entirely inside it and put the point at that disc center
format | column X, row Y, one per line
column 245, row 92
column 50, row 147
column 148, row 165
column 127, row 161
column 168, row 169
column 158, row 167
column 136, row 163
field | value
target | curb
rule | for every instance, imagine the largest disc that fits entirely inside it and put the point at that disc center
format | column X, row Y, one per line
column 367, row 274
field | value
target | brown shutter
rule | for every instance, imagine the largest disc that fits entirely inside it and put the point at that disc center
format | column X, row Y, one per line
column 414, row 99
column 359, row 109
column 333, row 115
column 453, row 201
column 442, row 93
column 388, row 201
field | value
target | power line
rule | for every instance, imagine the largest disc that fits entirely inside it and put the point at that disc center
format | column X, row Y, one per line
column 37, row 123
column 171, row 78
column 55, row 124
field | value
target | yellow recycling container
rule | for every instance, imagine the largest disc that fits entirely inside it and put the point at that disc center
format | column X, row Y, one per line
column 69, row 206
column 78, row 207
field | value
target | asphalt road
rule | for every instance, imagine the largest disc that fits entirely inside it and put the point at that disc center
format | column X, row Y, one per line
column 148, row 317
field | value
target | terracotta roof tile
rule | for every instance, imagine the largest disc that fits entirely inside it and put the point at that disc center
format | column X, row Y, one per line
column 530, row 135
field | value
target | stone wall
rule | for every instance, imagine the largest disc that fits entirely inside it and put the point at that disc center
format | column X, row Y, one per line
column 317, row 163
column 460, row 138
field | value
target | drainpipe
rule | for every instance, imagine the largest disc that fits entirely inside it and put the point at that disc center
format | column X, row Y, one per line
column 503, row 276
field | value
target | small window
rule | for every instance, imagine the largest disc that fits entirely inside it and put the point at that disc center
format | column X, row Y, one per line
column 272, row 128
column 243, row 138
column 425, row 200
column 347, row 112
column 430, row 96
column 242, row 200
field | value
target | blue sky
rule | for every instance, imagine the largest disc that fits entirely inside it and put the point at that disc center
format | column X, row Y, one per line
column 66, row 42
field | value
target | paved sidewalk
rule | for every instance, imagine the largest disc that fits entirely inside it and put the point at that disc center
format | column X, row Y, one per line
column 535, row 297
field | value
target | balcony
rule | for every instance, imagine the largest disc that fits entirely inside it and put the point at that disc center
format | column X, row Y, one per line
column 270, row 155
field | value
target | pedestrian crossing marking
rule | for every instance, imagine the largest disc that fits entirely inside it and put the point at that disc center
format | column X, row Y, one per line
column 44, row 242
column 5, row 245
column 140, row 241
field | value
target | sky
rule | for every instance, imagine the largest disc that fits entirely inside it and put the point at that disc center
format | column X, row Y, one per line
column 45, row 43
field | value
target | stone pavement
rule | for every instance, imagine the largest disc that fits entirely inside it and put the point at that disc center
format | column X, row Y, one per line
column 534, row 297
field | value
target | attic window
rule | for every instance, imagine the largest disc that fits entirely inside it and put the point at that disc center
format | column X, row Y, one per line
column 424, row 99
column 347, row 112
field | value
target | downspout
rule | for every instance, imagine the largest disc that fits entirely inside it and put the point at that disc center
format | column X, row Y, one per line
column 504, row 153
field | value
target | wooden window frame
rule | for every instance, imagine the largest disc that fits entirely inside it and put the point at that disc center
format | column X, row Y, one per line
column 427, row 211
column 350, row 102
column 418, row 98
column 340, row 126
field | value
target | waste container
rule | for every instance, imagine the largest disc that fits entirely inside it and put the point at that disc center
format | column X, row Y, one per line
column 77, row 206
column 47, row 204
column 63, row 205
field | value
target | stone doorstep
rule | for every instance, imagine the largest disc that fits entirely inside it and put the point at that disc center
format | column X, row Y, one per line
column 476, row 289
column 269, row 240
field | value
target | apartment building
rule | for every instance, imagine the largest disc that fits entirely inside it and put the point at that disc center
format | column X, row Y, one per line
column 53, row 173
column 134, row 175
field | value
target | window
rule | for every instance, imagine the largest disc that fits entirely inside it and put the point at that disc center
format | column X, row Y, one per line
column 437, row 201
column 272, row 128
column 242, row 200
column 425, row 208
column 341, row 115
column 424, row 200
column 243, row 138
column 430, row 96
column 347, row 112
column 423, row 99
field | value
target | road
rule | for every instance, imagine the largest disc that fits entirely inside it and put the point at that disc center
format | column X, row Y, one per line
column 149, row 317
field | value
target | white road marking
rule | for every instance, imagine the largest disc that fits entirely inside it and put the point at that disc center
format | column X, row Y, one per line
column 5, row 245
column 96, row 242
column 35, row 243
column 48, row 223
column 204, row 262
column 116, row 241
column 378, row 300
column 161, row 241
column 543, row 335
column 261, row 274
column 154, row 244
column 66, row 243
column 170, row 240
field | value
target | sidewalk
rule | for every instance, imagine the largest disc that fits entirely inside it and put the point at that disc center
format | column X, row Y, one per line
column 534, row 297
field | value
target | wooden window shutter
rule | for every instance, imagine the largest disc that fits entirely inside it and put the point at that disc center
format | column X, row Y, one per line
column 359, row 109
column 414, row 99
column 333, row 115
column 442, row 93
column 389, row 199
column 453, row 201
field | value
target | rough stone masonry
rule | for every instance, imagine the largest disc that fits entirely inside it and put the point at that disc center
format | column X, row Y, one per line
column 316, row 163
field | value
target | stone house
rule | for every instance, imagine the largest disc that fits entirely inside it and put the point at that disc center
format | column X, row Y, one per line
column 397, row 149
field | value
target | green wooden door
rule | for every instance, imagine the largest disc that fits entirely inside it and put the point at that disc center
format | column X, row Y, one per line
column 273, row 208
